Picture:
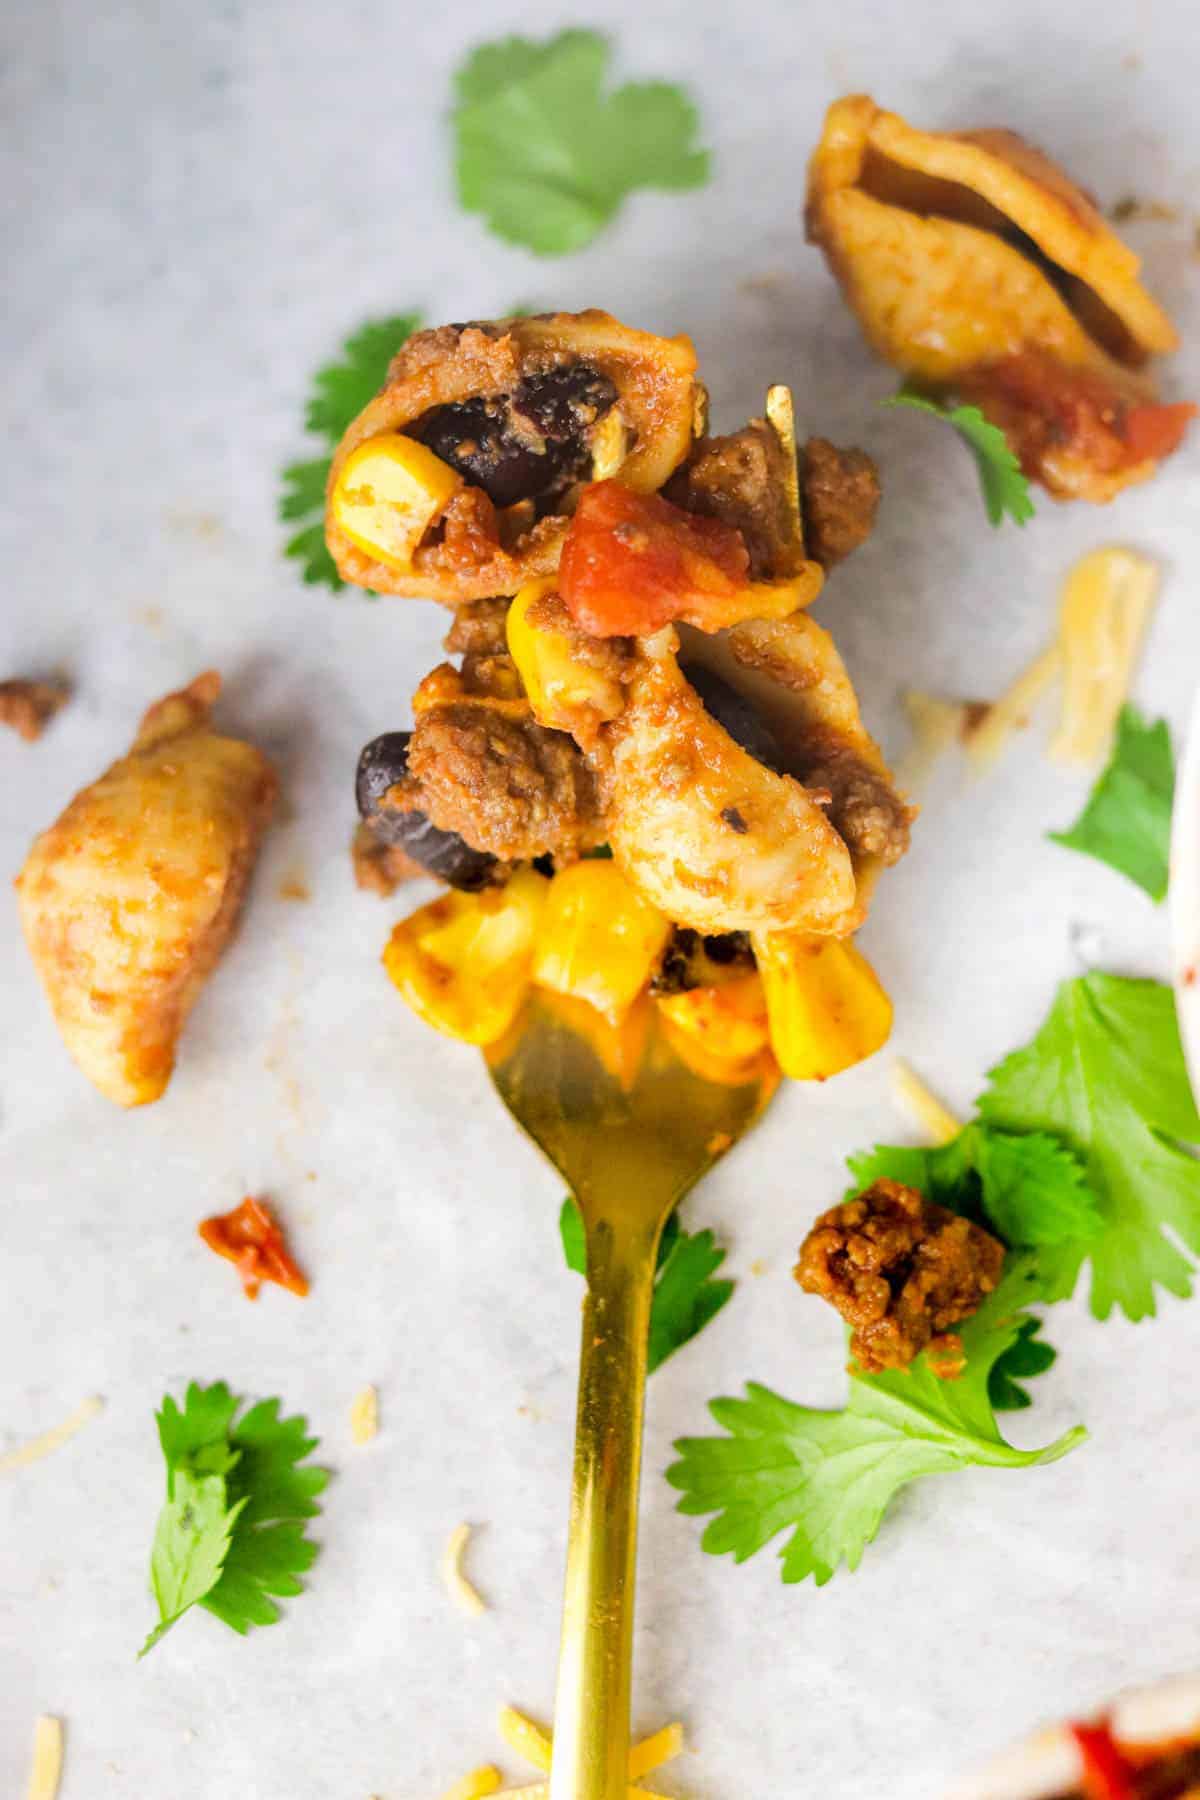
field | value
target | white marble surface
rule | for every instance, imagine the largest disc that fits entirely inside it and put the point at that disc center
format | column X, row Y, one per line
column 198, row 203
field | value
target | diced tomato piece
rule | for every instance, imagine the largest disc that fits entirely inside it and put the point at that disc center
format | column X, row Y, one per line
column 1107, row 1775
column 633, row 562
column 1156, row 430
column 1044, row 406
column 250, row 1238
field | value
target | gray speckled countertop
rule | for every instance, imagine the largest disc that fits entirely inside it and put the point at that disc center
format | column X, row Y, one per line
column 198, row 204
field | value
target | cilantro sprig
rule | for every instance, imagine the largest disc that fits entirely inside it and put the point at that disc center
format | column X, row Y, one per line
column 547, row 156
column 1029, row 1189
column 829, row 1477
column 231, row 1533
column 686, row 1298
column 1005, row 488
column 1105, row 1075
column 340, row 390
column 1127, row 820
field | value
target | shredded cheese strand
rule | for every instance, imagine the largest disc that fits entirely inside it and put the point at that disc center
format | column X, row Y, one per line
column 364, row 1415
column 1107, row 599
column 937, row 725
column 936, row 1120
column 50, row 1441
column 526, row 1738
column 653, row 1752
column 1011, row 711
column 468, row 1599
column 47, row 1759
column 481, row 1781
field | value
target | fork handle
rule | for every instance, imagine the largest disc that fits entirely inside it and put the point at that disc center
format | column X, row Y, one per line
column 591, row 1722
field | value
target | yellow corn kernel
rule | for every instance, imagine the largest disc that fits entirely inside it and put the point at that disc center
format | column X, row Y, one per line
column 728, row 1020
column 463, row 961
column 599, row 940
column 724, row 1071
column 825, row 1006
column 559, row 683
column 389, row 491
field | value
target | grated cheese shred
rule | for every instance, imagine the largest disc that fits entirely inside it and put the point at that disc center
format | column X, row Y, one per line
column 1106, row 604
column 936, row 1120
column 364, row 1415
column 1011, row 711
column 480, row 1782
column 937, row 725
column 467, row 1598
column 47, row 1759
column 50, row 1441
column 526, row 1738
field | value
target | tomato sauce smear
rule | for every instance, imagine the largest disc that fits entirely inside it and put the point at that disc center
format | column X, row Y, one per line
column 632, row 563
column 1106, row 1774
column 250, row 1238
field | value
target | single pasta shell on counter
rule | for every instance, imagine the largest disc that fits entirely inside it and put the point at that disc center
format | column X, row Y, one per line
column 519, row 411
column 974, row 263
column 128, row 901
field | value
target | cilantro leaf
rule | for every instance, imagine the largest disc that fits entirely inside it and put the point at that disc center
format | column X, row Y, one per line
column 1105, row 1074
column 231, row 1532
column 1127, row 820
column 269, row 1550
column 686, row 1298
column 1030, row 1189
column 191, row 1542
column 1005, row 489
column 1024, row 1357
column 547, row 157
column 339, row 393
column 831, row 1476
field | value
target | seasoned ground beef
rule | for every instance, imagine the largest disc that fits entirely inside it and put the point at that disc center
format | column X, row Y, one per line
column 380, row 868
column 479, row 629
column 505, row 784
column 741, row 480
column 864, row 807
column 28, row 705
column 901, row 1271
column 839, row 493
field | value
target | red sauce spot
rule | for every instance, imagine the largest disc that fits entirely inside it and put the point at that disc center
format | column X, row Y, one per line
column 250, row 1238
column 1106, row 1774
column 633, row 562
column 1043, row 405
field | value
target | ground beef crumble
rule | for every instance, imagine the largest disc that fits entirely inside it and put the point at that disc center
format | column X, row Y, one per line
column 901, row 1271
column 839, row 493
column 742, row 480
column 864, row 807
column 380, row 868
column 506, row 784
column 28, row 706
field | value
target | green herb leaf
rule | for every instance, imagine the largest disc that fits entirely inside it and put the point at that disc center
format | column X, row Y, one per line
column 1029, row 1189
column 232, row 1530
column 686, row 1298
column 191, row 1542
column 1127, row 820
column 1025, row 1356
column 339, row 393
column 547, row 157
column 831, row 1476
column 1106, row 1075
column 1005, row 489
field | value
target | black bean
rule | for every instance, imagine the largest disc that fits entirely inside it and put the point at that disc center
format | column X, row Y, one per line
column 480, row 438
column 736, row 715
column 564, row 403
column 445, row 854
